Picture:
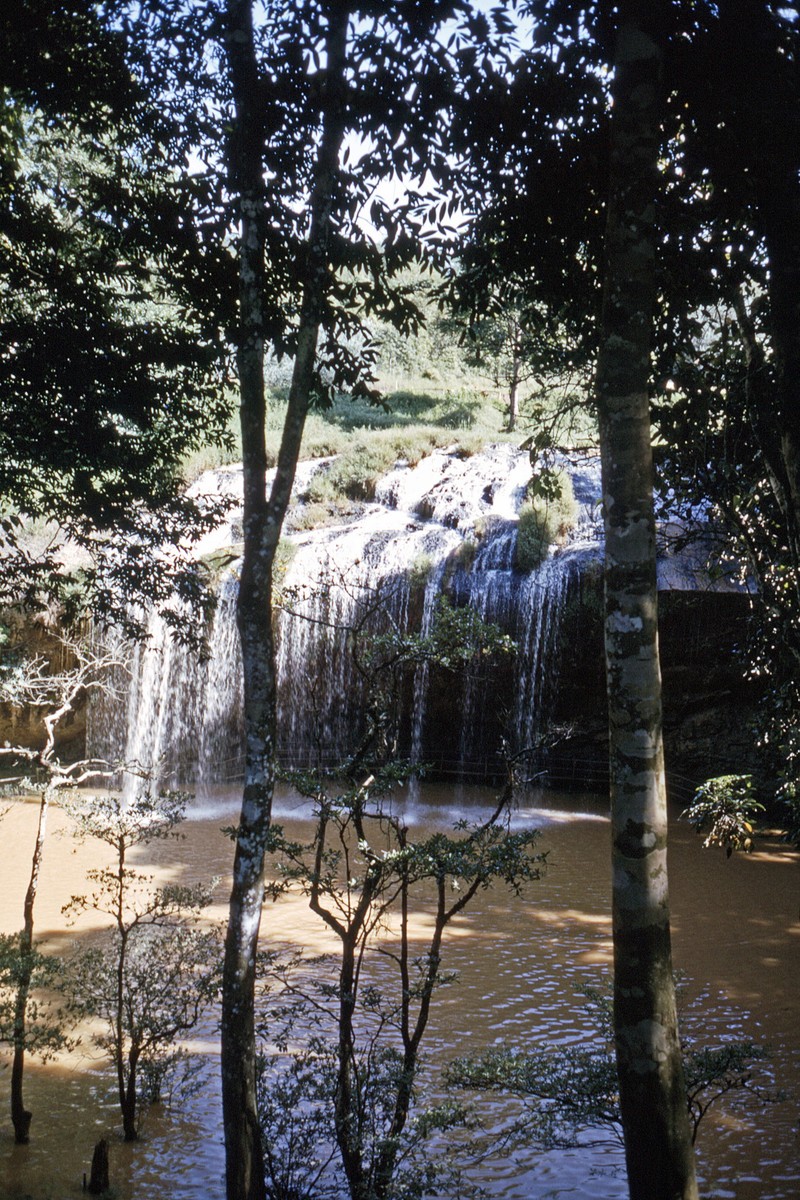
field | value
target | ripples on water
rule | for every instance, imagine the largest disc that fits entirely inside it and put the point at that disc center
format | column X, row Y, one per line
column 521, row 966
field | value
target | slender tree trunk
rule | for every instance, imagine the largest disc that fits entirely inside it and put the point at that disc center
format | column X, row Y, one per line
column 263, row 519
column 513, row 404
column 244, row 1158
column 128, row 1117
column 20, row 1116
column 516, row 368
column 347, row 1115
column 128, row 1098
column 656, row 1130
column 386, row 1164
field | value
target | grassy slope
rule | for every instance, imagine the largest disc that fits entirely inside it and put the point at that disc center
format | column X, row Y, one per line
column 433, row 399
column 417, row 421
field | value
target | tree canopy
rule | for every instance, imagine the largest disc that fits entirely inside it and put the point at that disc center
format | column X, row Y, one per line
column 113, row 362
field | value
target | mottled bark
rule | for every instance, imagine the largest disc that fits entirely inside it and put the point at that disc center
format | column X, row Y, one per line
column 652, row 1094
column 263, row 519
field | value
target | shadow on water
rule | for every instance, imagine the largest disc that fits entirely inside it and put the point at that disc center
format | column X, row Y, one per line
column 521, row 966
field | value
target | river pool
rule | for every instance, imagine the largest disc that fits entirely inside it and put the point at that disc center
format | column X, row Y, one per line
column 521, row 965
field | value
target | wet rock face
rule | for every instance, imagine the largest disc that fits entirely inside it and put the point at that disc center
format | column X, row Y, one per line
column 446, row 527
column 708, row 705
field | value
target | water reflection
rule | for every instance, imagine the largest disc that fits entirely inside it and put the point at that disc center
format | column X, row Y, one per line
column 521, row 967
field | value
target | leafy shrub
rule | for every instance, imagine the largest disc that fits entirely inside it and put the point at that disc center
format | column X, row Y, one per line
column 284, row 556
column 316, row 514
column 464, row 555
column 727, row 808
column 544, row 518
column 419, row 571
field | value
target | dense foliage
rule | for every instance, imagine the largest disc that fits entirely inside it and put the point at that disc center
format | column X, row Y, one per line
column 112, row 364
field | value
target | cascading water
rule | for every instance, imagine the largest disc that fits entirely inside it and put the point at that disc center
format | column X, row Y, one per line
column 433, row 591
column 446, row 526
column 529, row 607
column 221, row 734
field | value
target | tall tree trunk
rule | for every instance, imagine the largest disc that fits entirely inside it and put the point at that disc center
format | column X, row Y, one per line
column 20, row 1116
column 777, row 185
column 658, row 1146
column 263, row 519
column 243, row 1154
column 782, row 225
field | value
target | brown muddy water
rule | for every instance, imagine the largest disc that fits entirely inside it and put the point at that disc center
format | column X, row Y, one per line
column 521, row 964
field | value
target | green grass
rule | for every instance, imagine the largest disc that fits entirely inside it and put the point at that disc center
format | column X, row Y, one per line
column 454, row 414
column 413, row 424
column 439, row 403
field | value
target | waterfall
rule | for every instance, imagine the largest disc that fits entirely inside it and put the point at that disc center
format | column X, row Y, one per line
column 433, row 592
column 220, row 757
column 445, row 527
column 344, row 584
